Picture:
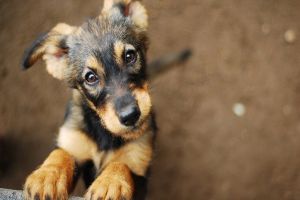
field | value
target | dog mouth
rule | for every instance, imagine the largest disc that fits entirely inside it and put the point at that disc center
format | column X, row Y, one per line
column 136, row 126
column 135, row 131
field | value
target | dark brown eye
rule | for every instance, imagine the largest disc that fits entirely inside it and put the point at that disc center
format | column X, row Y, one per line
column 130, row 56
column 91, row 78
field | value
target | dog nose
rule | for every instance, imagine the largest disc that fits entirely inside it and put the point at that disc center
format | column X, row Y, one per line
column 129, row 115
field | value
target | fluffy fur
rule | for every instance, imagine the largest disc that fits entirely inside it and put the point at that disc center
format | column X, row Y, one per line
column 109, row 127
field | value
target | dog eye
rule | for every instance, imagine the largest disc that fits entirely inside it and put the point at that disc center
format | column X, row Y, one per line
column 130, row 57
column 91, row 77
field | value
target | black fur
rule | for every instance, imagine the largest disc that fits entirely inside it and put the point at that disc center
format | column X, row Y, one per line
column 104, row 139
column 88, row 173
column 140, row 184
column 26, row 61
column 76, row 175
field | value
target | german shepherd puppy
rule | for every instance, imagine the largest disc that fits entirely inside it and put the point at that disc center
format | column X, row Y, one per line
column 109, row 128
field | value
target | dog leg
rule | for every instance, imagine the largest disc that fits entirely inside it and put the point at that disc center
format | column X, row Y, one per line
column 53, row 180
column 114, row 183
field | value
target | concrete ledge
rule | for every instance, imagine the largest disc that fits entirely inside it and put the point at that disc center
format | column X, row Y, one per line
column 6, row 194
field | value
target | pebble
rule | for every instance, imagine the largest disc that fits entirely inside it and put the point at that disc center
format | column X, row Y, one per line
column 239, row 109
column 290, row 36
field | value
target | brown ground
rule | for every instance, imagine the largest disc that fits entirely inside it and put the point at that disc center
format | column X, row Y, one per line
column 204, row 151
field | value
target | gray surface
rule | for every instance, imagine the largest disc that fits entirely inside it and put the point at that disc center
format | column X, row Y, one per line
column 6, row 194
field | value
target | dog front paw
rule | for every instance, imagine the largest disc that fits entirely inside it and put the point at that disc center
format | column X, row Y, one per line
column 115, row 183
column 46, row 183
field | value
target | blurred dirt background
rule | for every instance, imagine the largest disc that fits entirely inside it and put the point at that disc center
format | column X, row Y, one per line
column 245, row 53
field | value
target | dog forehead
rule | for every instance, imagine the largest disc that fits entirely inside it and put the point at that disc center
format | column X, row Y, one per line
column 97, row 35
column 99, row 28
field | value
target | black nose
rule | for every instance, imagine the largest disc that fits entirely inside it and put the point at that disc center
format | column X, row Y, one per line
column 129, row 115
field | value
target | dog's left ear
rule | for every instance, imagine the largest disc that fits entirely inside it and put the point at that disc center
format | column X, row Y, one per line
column 132, row 9
column 52, row 48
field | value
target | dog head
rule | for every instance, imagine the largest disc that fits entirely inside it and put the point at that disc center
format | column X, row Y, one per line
column 105, row 60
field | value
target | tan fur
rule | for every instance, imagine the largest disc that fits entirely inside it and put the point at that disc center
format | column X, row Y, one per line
column 56, row 61
column 93, row 63
column 115, row 182
column 63, row 28
column 37, row 54
column 129, row 47
column 55, row 65
column 136, row 154
column 139, row 15
column 49, row 50
column 136, row 133
column 76, row 143
column 108, row 4
column 112, row 123
column 53, row 179
column 111, row 120
column 119, row 49
column 144, row 101
column 75, row 120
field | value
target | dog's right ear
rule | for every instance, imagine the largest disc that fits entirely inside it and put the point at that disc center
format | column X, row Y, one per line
column 52, row 48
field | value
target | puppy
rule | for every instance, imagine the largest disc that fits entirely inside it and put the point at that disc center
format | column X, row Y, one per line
column 109, row 129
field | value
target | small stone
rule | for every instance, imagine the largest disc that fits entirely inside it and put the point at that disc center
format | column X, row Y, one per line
column 290, row 36
column 239, row 109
